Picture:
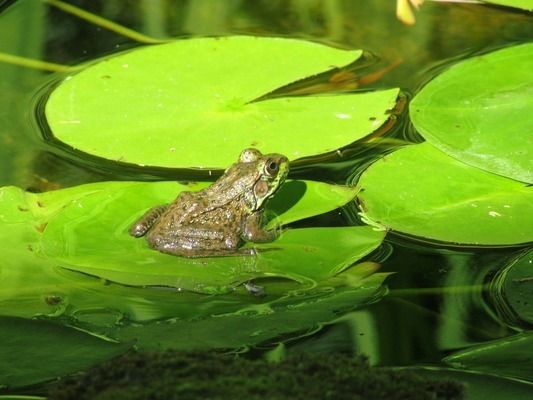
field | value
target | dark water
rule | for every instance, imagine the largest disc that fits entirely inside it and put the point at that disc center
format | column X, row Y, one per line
column 439, row 299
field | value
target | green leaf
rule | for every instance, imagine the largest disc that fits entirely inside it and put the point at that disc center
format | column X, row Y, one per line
column 477, row 111
column 524, row 4
column 296, row 314
column 36, row 351
column 85, row 229
column 199, row 101
column 512, row 290
column 420, row 191
column 157, row 319
column 479, row 386
column 510, row 357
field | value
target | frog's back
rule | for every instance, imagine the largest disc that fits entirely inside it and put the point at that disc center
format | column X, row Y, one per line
column 200, row 210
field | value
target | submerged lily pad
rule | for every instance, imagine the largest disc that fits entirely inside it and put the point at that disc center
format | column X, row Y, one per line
column 35, row 351
column 479, row 386
column 297, row 314
column 513, row 289
column 200, row 99
column 510, row 355
column 421, row 191
column 478, row 111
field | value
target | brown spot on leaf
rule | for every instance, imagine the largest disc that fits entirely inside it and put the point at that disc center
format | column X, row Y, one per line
column 41, row 227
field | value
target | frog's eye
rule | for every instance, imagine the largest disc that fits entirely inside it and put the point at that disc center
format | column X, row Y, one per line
column 271, row 167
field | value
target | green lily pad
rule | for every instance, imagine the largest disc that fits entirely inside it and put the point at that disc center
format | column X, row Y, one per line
column 421, row 191
column 200, row 99
column 512, row 355
column 296, row 314
column 90, row 235
column 35, row 351
column 479, row 386
column 155, row 319
column 478, row 112
column 524, row 4
column 85, row 229
column 513, row 289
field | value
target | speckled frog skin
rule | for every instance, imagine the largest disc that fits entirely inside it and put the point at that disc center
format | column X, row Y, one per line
column 217, row 220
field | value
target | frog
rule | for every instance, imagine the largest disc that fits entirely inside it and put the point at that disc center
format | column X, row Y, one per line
column 220, row 219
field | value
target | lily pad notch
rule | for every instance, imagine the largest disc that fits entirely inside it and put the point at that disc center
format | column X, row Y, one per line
column 195, row 109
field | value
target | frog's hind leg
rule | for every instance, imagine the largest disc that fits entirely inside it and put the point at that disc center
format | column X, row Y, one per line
column 144, row 223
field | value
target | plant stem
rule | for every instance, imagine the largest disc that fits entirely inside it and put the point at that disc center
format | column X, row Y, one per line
column 104, row 23
column 36, row 64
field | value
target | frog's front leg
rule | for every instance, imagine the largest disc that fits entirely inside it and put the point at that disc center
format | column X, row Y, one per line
column 149, row 218
column 253, row 230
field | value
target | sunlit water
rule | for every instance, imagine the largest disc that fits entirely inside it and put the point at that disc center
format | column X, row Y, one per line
column 440, row 298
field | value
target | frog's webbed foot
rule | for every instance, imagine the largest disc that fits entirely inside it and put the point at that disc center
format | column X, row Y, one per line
column 144, row 223
column 254, row 232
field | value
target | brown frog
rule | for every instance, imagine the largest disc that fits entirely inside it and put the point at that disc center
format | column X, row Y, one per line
column 217, row 220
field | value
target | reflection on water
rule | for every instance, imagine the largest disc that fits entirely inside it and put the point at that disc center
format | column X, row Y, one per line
column 438, row 296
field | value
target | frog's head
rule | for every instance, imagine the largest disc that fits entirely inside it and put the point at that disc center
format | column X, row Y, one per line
column 271, row 171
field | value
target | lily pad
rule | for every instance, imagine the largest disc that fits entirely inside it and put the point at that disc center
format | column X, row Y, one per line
column 90, row 235
column 478, row 112
column 297, row 314
column 479, row 386
column 513, row 290
column 85, row 229
column 155, row 319
column 421, row 191
column 512, row 355
column 35, row 351
column 200, row 99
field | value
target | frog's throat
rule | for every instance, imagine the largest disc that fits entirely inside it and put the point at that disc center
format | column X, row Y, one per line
column 254, row 202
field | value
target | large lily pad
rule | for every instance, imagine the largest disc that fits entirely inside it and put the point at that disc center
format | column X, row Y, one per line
column 90, row 235
column 478, row 112
column 421, row 191
column 179, row 104
column 85, row 229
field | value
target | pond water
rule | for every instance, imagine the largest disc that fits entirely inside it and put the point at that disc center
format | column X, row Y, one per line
column 438, row 299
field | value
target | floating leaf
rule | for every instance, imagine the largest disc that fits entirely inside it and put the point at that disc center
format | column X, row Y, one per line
column 479, row 386
column 420, row 191
column 90, row 235
column 477, row 111
column 512, row 355
column 196, row 108
column 36, row 351
column 513, row 290
column 85, row 229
